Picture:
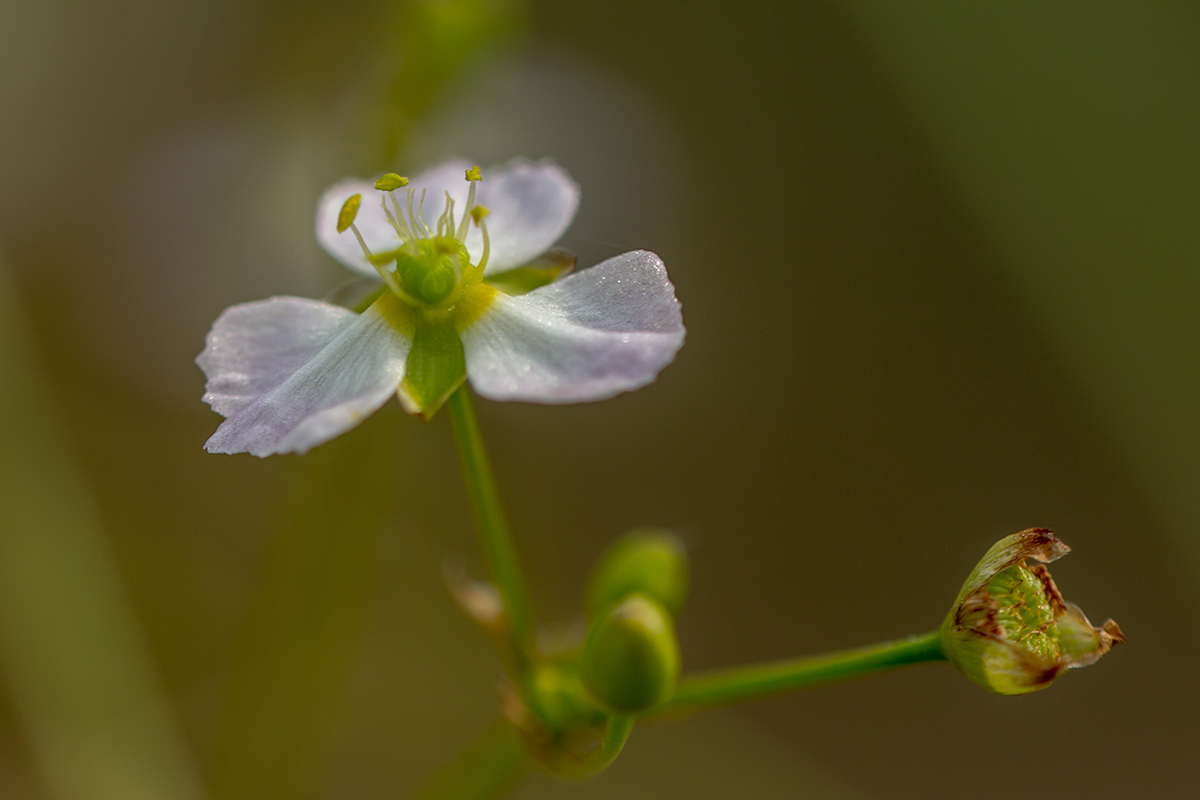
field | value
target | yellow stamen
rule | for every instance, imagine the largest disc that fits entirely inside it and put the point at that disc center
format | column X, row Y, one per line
column 397, row 223
column 349, row 212
column 442, row 220
column 461, row 233
column 390, row 182
column 477, row 214
column 421, row 214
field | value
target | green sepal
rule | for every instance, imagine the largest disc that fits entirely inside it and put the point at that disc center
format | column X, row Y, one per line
column 543, row 270
column 437, row 364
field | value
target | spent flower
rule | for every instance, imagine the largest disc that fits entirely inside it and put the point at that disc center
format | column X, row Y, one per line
column 1010, row 630
column 470, row 291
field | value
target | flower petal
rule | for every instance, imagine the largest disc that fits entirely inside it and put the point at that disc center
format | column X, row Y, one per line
column 592, row 335
column 372, row 223
column 290, row 373
column 531, row 204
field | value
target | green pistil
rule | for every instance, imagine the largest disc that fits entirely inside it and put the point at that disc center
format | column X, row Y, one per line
column 431, row 271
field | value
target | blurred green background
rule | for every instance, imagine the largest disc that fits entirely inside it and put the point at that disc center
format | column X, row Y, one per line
column 939, row 270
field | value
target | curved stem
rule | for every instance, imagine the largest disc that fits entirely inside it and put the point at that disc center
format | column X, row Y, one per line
column 615, row 736
column 616, row 733
column 723, row 687
column 494, row 536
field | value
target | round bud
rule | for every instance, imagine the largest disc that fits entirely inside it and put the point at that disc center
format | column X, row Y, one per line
column 631, row 658
column 648, row 560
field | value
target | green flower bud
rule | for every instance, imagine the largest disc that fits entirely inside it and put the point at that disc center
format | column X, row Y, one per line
column 1010, row 630
column 631, row 658
column 648, row 560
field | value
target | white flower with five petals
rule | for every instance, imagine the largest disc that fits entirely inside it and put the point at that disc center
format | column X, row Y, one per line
column 462, row 299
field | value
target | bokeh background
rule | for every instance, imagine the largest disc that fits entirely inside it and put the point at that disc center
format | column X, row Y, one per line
column 938, row 265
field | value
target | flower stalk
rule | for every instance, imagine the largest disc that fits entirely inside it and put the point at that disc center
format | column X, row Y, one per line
column 724, row 687
column 494, row 536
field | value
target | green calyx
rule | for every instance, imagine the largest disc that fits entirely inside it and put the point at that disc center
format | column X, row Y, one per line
column 442, row 294
column 436, row 366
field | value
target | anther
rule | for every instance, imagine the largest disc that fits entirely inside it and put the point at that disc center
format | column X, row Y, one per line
column 390, row 182
column 473, row 177
column 345, row 221
column 349, row 212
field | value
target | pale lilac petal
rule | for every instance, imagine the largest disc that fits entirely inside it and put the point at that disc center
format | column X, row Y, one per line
column 254, row 347
column 290, row 373
column 378, row 233
column 592, row 335
column 531, row 204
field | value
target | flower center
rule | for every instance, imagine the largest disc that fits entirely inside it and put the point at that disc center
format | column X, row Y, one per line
column 431, row 268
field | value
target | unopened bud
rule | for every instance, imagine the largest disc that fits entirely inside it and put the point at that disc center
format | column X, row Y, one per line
column 648, row 560
column 631, row 658
column 1010, row 630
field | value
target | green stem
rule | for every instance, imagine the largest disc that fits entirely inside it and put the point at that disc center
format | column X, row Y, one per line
column 489, row 769
column 616, row 733
column 615, row 736
column 494, row 536
column 724, row 687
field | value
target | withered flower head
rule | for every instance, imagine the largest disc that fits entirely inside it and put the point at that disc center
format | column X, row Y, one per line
column 1010, row 630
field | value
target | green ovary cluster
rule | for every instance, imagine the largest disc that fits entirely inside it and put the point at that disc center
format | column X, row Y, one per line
column 431, row 270
column 1026, row 611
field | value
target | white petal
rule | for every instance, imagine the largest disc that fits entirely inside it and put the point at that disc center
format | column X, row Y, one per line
column 531, row 204
column 290, row 373
column 592, row 335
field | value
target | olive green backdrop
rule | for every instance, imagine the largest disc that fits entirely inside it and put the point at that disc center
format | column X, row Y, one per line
column 939, row 271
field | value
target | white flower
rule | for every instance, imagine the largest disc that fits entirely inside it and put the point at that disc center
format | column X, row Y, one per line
column 290, row 373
